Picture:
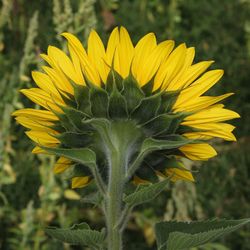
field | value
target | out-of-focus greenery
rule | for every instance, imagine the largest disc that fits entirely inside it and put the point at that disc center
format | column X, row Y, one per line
column 31, row 197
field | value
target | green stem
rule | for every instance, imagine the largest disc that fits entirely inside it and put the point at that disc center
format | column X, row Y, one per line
column 116, row 140
column 114, row 201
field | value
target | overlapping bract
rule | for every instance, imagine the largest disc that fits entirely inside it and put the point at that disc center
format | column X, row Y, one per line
column 160, row 66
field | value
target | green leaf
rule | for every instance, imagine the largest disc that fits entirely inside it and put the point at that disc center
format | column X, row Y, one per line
column 117, row 105
column 184, row 235
column 84, row 156
column 93, row 198
column 146, row 194
column 99, row 102
column 132, row 93
column 79, row 234
column 147, row 108
column 176, row 141
column 150, row 145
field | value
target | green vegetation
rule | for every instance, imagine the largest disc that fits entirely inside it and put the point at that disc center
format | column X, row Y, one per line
column 31, row 197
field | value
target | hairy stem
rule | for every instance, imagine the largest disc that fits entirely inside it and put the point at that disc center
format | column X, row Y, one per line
column 114, row 201
column 117, row 141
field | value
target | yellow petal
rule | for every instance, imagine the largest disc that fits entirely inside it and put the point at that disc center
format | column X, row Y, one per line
column 42, row 98
column 42, row 137
column 36, row 114
column 200, row 86
column 61, row 165
column 202, row 102
column 198, row 151
column 197, row 136
column 44, row 82
column 88, row 67
column 210, row 115
column 97, row 55
column 210, row 130
column 175, row 83
column 124, row 54
column 193, row 72
column 60, row 81
column 151, row 63
column 38, row 150
column 143, row 50
column 170, row 68
column 77, row 64
column 214, row 126
column 112, row 45
column 65, row 64
column 80, row 182
column 71, row 195
column 35, row 124
column 179, row 174
column 207, row 135
column 139, row 181
column 49, row 60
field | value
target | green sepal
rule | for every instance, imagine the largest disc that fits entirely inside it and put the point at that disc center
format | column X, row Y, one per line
column 98, row 102
column 177, row 119
column 147, row 109
column 114, row 81
column 63, row 121
column 163, row 123
column 117, row 105
column 81, row 95
column 186, row 129
column 132, row 93
column 146, row 193
column 168, row 100
column 174, row 235
column 102, row 126
column 74, row 140
column 78, row 170
column 160, row 162
column 148, row 87
column 80, row 234
column 155, row 160
column 146, row 172
column 67, row 98
column 83, row 156
column 75, row 117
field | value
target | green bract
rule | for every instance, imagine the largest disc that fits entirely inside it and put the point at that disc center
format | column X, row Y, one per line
column 121, row 116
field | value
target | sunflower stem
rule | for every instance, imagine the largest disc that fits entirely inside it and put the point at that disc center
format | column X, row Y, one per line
column 114, row 200
column 117, row 141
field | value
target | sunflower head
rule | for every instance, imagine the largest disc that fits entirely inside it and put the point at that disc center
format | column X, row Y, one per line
column 145, row 101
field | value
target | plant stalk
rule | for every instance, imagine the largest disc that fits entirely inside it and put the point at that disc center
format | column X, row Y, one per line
column 114, row 200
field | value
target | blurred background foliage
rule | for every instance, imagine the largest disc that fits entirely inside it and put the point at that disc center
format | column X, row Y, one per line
column 31, row 197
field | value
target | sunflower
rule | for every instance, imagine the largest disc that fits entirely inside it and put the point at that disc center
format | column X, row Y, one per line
column 150, row 90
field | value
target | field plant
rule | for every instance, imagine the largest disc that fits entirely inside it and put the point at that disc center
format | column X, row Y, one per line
column 122, row 136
